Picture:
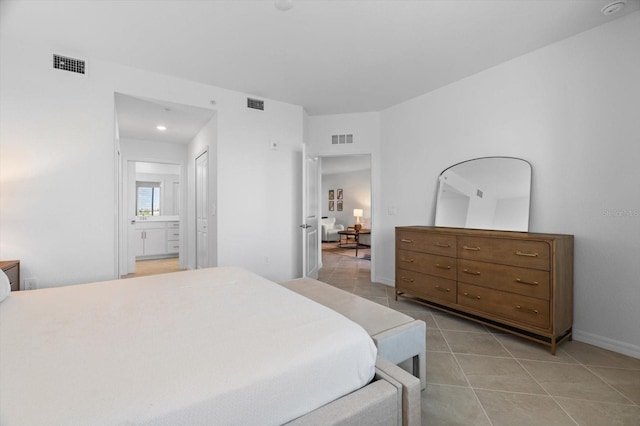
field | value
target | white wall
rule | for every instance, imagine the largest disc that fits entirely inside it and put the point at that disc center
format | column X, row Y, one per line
column 57, row 167
column 259, row 196
column 356, row 187
column 571, row 109
column 365, row 128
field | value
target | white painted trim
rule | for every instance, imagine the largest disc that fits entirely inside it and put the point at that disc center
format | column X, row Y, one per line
column 386, row 281
column 607, row 343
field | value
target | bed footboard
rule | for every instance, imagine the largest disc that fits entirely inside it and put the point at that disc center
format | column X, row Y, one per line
column 392, row 398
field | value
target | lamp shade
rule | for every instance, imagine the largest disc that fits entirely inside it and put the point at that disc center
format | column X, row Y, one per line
column 357, row 212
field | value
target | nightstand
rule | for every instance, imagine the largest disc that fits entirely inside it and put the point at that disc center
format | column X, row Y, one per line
column 12, row 269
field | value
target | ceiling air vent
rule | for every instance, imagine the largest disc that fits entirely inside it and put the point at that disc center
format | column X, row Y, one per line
column 68, row 64
column 341, row 139
column 255, row 104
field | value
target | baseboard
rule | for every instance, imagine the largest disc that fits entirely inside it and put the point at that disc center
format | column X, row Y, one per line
column 607, row 343
column 385, row 281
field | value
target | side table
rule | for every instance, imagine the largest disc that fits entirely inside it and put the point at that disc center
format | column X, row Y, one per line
column 12, row 269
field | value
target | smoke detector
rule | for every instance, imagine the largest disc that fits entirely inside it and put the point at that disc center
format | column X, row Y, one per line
column 283, row 5
column 614, row 7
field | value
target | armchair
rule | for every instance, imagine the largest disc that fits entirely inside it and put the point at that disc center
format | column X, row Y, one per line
column 329, row 229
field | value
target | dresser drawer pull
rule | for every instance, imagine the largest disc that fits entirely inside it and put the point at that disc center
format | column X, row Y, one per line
column 406, row 240
column 466, row 271
column 407, row 280
column 471, row 296
column 519, row 281
column 521, row 253
column 532, row 311
column 442, row 245
column 407, row 260
column 442, row 266
column 471, row 248
column 444, row 290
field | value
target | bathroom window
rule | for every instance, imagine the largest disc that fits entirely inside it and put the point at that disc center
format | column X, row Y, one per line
column 147, row 198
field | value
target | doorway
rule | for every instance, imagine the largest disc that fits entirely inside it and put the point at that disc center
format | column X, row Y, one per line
column 202, row 209
column 153, row 202
column 156, row 220
column 345, row 203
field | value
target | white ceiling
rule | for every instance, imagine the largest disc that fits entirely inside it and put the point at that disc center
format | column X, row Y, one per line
column 138, row 119
column 328, row 56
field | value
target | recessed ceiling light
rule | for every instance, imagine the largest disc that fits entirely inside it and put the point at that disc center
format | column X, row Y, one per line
column 161, row 128
column 614, row 7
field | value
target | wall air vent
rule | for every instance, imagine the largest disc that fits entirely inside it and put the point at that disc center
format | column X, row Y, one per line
column 68, row 64
column 341, row 139
column 255, row 104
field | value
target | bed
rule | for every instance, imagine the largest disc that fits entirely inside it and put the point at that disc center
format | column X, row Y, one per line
column 218, row 346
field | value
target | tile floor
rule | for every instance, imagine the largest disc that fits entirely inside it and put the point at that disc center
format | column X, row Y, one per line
column 477, row 376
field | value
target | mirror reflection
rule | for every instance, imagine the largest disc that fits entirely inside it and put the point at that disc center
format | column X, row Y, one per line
column 485, row 193
column 157, row 189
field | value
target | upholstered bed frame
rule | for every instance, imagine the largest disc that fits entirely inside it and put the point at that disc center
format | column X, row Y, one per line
column 392, row 398
column 399, row 338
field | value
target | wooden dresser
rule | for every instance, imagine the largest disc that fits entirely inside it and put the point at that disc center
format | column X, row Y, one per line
column 12, row 269
column 517, row 282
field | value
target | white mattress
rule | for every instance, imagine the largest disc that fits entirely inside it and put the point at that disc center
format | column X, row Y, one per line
column 216, row 346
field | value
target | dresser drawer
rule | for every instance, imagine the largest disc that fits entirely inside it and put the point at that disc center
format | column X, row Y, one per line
column 439, row 266
column 173, row 247
column 427, row 243
column 523, row 309
column 524, row 281
column 524, row 253
column 173, row 225
column 426, row 286
column 173, row 234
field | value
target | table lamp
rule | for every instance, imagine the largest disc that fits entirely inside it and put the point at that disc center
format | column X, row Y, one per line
column 358, row 214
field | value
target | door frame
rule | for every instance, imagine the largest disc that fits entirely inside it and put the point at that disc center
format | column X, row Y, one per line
column 205, row 151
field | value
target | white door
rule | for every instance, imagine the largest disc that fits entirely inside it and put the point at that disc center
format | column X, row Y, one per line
column 202, row 209
column 310, row 216
column 134, row 237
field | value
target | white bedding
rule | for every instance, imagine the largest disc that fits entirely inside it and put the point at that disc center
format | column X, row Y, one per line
column 218, row 346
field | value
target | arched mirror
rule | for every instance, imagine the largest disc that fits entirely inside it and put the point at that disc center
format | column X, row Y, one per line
column 485, row 193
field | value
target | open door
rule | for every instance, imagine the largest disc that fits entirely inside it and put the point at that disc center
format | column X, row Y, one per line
column 310, row 216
